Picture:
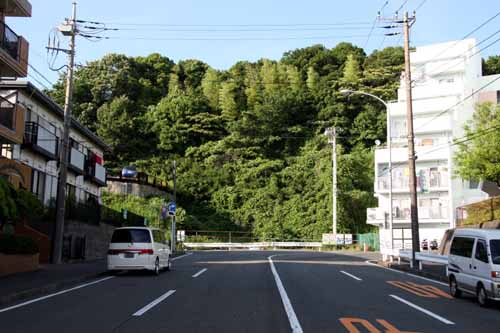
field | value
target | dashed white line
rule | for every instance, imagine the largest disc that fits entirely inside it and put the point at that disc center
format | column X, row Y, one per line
column 292, row 317
column 350, row 275
column 153, row 303
column 427, row 312
column 200, row 272
column 179, row 257
column 55, row 294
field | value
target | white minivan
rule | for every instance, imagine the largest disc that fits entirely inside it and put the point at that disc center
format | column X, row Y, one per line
column 137, row 248
column 474, row 264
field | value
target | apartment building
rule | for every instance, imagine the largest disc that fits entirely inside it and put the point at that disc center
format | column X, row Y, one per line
column 38, row 148
column 13, row 64
column 447, row 84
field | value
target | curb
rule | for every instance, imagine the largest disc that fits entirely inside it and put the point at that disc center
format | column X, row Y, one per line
column 54, row 287
column 47, row 289
column 407, row 269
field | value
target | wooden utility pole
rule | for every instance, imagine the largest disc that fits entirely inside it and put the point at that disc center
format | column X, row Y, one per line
column 69, row 29
column 407, row 22
column 332, row 138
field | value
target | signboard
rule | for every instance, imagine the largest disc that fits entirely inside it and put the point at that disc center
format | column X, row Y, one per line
column 328, row 239
column 164, row 211
column 339, row 239
column 181, row 235
column 172, row 207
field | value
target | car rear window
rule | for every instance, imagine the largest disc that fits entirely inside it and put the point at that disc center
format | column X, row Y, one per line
column 131, row 236
column 495, row 251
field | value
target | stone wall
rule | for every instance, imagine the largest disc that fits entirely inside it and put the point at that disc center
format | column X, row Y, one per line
column 97, row 237
column 139, row 190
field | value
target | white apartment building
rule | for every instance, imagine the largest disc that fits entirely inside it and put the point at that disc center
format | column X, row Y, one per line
column 444, row 76
column 39, row 150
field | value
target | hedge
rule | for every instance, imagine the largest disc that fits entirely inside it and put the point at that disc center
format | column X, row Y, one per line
column 13, row 244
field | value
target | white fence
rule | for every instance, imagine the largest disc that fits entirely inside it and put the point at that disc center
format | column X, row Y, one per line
column 256, row 245
column 420, row 256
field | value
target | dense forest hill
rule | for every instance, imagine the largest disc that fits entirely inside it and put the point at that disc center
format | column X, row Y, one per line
column 249, row 140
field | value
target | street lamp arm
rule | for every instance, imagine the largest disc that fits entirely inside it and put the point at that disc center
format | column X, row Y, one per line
column 352, row 92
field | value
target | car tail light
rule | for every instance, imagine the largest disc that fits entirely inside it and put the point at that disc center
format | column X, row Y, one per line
column 495, row 274
column 146, row 251
column 114, row 252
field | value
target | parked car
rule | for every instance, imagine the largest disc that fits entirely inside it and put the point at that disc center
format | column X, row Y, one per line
column 474, row 264
column 138, row 248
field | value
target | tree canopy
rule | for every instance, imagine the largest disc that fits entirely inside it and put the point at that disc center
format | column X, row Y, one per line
column 248, row 140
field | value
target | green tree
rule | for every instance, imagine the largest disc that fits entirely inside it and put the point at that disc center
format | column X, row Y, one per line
column 478, row 155
column 491, row 66
column 211, row 87
column 352, row 72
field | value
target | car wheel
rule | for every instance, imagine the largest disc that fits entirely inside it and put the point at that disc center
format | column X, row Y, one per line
column 454, row 291
column 157, row 267
column 169, row 264
column 482, row 297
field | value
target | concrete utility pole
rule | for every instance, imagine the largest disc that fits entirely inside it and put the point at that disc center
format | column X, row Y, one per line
column 411, row 148
column 69, row 29
column 174, row 232
column 331, row 132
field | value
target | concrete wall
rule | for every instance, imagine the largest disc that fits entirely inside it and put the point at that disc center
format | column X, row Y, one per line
column 97, row 237
column 138, row 190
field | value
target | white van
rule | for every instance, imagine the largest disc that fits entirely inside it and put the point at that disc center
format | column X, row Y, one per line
column 136, row 248
column 474, row 264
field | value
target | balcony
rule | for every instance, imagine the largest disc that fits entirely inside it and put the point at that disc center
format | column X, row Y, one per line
column 375, row 216
column 94, row 171
column 13, row 53
column 76, row 161
column 11, row 121
column 40, row 140
column 18, row 8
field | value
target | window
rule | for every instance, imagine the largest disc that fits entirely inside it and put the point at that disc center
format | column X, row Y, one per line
column 6, row 150
column 495, row 251
column 131, row 236
column 481, row 253
column 38, row 184
column 462, row 246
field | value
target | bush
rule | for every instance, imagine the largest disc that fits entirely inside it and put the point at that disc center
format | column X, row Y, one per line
column 29, row 205
column 8, row 209
column 12, row 244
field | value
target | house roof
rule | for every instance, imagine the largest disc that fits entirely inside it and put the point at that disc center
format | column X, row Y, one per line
column 44, row 99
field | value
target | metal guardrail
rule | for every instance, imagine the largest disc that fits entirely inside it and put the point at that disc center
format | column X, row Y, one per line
column 256, row 245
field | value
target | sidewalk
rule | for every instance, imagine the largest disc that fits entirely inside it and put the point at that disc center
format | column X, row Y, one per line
column 48, row 279
column 429, row 270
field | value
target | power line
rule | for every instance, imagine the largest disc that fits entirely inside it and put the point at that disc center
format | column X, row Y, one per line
column 237, row 30
column 375, row 23
column 229, row 38
column 420, row 5
column 460, row 102
column 346, row 23
column 402, row 5
column 40, row 74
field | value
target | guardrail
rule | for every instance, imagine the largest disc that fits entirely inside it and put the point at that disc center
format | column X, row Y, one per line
column 256, row 245
column 420, row 256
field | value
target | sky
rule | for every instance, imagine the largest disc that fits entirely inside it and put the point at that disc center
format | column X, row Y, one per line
column 223, row 32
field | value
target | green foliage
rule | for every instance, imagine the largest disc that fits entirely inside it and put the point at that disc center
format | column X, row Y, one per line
column 8, row 208
column 478, row 156
column 15, row 244
column 491, row 66
column 28, row 205
column 249, row 140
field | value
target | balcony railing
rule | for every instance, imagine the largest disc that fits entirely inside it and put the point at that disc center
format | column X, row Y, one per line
column 94, row 171
column 7, row 114
column 41, row 140
column 14, row 58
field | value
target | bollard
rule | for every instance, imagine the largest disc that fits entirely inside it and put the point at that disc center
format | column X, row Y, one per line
column 365, row 247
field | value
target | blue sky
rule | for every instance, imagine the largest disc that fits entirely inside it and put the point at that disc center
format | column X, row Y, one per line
column 294, row 24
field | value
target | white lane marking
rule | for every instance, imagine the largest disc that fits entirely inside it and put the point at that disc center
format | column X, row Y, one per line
column 292, row 317
column 55, row 294
column 153, row 303
column 350, row 275
column 200, row 272
column 405, row 273
column 427, row 312
column 179, row 257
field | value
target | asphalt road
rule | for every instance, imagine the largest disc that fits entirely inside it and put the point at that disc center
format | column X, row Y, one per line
column 248, row 292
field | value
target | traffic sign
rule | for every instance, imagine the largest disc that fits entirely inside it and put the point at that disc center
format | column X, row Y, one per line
column 172, row 207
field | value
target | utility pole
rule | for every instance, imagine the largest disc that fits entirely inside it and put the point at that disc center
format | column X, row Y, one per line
column 174, row 232
column 331, row 132
column 68, row 28
column 407, row 22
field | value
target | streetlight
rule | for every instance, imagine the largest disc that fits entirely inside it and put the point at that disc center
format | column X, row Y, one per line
column 348, row 92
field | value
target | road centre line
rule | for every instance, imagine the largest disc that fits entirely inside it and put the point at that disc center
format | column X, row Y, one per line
column 153, row 303
column 350, row 275
column 200, row 272
column 405, row 273
column 292, row 317
column 54, row 294
column 427, row 312
column 184, row 255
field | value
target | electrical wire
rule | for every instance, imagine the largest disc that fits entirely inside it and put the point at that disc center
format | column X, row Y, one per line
column 420, row 5
column 375, row 23
column 231, row 25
